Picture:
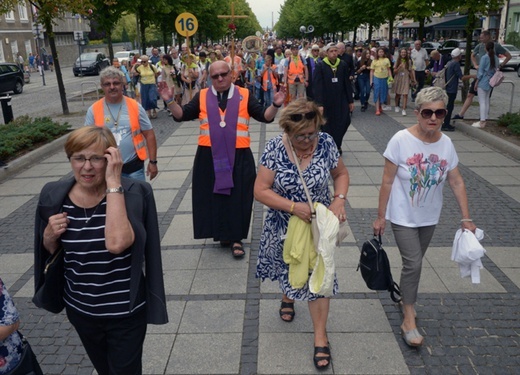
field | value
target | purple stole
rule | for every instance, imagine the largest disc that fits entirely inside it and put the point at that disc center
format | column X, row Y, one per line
column 223, row 139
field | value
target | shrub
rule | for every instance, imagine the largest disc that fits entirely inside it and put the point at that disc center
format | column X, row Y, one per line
column 508, row 118
column 25, row 134
column 515, row 127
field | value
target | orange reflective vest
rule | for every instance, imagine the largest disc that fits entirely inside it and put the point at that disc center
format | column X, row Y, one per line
column 272, row 78
column 243, row 139
column 98, row 109
column 295, row 70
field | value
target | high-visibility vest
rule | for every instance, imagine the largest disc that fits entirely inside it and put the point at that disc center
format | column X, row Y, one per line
column 273, row 79
column 133, row 114
column 294, row 70
column 243, row 139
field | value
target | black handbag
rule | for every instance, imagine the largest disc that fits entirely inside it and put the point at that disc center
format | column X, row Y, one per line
column 28, row 364
column 375, row 268
column 49, row 295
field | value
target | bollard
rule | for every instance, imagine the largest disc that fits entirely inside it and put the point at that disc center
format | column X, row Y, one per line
column 7, row 109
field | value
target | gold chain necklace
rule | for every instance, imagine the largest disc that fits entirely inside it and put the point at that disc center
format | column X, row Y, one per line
column 116, row 120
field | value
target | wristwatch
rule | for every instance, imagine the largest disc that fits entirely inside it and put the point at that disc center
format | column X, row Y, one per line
column 119, row 190
column 340, row 196
column 153, row 162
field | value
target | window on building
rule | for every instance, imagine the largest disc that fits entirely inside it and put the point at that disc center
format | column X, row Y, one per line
column 2, row 58
column 516, row 22
column 9, row 16
column 22, row 11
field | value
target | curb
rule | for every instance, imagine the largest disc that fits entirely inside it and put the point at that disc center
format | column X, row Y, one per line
column 32, row 157
column 498, row 143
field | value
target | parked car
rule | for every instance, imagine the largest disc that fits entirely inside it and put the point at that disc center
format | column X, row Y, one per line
column 11, row 78
column 450, row 44
column 125, row 55
column 430, row 46
column 515, row 57
column 91, row 63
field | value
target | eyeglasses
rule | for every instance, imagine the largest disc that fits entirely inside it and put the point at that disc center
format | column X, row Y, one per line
column 218, row 75
column 302, row 137
column 297, row 117
column 95, row 161
column 428, row 113
column 108, row 84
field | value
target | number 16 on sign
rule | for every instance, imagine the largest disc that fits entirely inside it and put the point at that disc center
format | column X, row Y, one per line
column 186, row 24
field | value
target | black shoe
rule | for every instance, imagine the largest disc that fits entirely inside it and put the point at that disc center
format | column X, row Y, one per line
column 363, row 109
column 448, row 128
column 458, row 117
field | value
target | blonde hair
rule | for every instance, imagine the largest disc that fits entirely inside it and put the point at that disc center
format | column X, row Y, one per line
column 430, row 95
column 300, row 106
column 87, row 136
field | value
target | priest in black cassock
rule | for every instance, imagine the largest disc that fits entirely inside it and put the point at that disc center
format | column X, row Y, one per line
column 333, row 92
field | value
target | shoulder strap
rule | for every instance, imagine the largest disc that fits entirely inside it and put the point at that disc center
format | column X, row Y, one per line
column 309, row 199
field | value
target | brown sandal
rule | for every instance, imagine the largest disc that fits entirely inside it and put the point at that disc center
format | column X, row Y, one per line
column 237, row 250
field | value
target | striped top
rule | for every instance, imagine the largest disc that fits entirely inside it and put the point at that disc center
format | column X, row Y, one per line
column 97, row 283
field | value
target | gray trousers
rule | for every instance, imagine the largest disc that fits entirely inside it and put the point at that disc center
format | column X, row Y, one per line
column 412, row 244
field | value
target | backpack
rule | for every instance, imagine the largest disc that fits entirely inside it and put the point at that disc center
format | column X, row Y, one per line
column 440, row 77
column 375, row 269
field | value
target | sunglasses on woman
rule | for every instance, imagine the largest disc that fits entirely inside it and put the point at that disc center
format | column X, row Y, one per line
column 428, row 113
column 303, row 137
column 297, row 117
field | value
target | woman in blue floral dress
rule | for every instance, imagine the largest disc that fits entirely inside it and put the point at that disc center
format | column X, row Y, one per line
column 278, row 186
column 10, row 340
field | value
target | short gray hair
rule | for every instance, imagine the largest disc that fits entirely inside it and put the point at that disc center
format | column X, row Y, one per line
column 111, row 72
column 430, row 95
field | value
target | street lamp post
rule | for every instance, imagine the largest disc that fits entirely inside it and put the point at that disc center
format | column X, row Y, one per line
column 78, row 37
column 38, row 34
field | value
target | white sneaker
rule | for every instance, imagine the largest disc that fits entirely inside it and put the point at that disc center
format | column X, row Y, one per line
column 397, row 109
column 403, row 112
column 477, row 125
column 387, row 108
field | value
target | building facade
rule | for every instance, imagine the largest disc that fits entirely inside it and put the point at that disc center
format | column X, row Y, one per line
column 20, row 35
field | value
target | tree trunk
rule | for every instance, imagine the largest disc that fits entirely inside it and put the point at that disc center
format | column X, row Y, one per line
column 56, row 61
column 110, row 46
column 420, row 34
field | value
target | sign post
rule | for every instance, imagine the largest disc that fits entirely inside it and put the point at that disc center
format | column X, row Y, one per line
column 187, row 25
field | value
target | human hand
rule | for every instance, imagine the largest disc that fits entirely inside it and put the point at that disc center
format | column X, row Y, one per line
column 469, row 225
column 378, row 226
column 279, row 96
column 114, row 167
column 303, row 211
column 56, row 226
column 152, row 170
column 166, row 93
column 338, row 209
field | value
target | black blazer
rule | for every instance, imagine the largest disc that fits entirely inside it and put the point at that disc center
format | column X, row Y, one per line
column 146, row 249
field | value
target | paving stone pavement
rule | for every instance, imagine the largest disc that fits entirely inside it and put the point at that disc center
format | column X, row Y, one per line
column 225, row 321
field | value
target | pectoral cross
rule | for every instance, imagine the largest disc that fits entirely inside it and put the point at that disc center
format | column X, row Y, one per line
column 232, row 17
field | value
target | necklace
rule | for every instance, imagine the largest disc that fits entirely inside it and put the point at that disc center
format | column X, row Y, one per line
column 305, row 156
column 87, row 218
column 116, row 120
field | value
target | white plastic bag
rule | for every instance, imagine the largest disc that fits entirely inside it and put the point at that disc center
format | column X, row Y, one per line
column 467, row 251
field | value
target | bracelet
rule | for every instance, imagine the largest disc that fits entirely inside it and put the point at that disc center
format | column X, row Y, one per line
column 276, row 105
column 466, row 220
column 292, row 208
column 168, row 102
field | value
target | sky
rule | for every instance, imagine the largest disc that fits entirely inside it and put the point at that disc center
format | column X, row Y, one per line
column 266, row 11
